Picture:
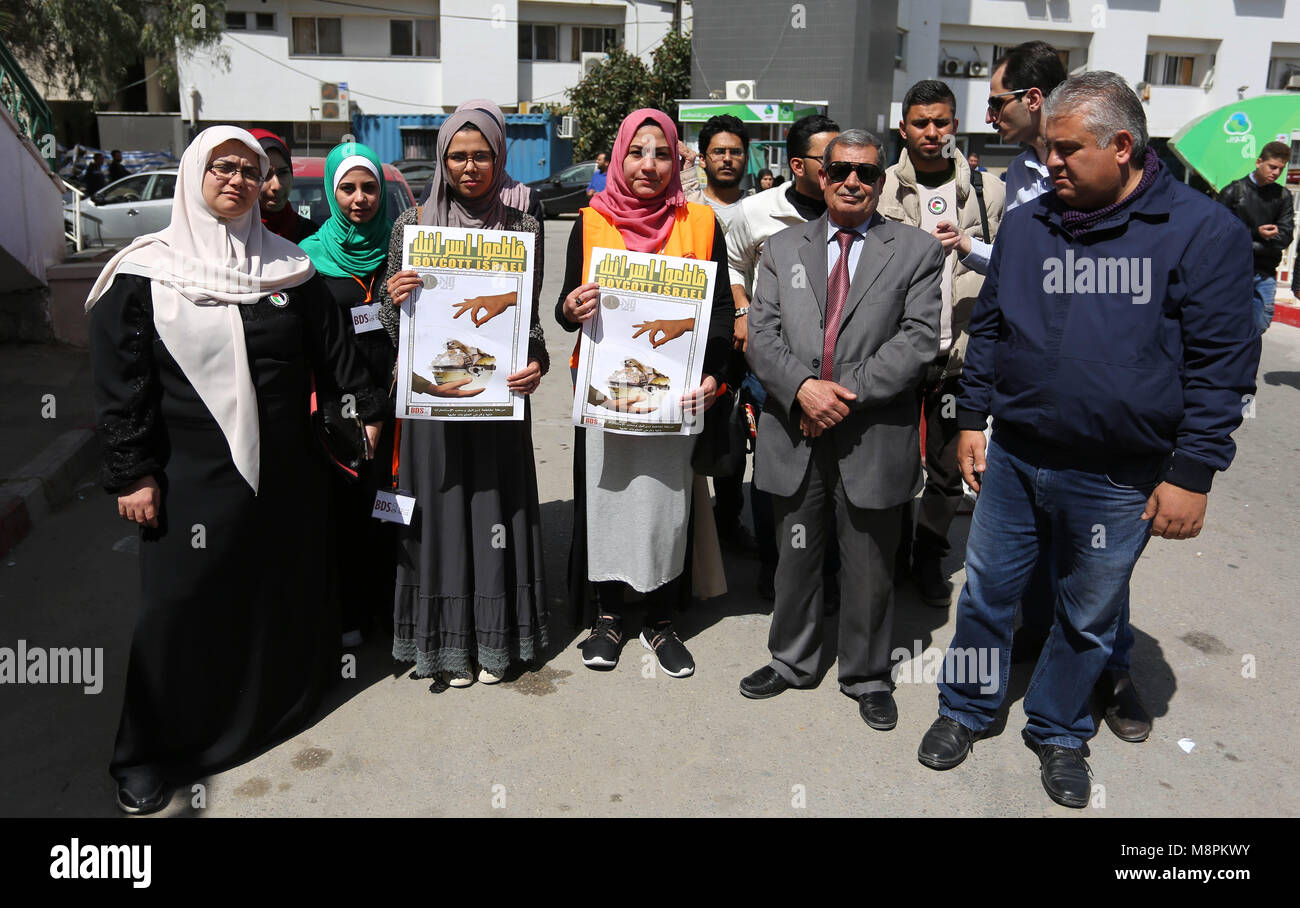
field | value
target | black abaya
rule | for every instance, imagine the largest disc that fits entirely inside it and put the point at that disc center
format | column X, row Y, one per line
column 236, row 638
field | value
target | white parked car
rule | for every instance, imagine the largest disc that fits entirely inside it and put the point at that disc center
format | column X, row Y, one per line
column 127, row 208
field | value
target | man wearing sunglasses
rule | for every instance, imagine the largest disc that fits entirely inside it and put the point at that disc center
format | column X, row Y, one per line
column 932, row 187
column 845, row 321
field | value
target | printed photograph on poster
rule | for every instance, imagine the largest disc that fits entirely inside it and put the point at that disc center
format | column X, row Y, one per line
column 645, row 347
column 465, row 330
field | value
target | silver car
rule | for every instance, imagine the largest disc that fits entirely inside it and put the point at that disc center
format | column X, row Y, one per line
column 127, row 208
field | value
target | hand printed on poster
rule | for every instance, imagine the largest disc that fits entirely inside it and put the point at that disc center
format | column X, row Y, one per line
column 421, row 385
column 483, row 309
column 661, row 330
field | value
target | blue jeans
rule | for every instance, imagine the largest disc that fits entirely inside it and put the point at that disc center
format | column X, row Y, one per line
column 1090, row 522
column 1039, row 604
column 1265, row 290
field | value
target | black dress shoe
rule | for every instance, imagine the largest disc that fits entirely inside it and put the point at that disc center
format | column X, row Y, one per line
column 763, row 683
column 878, row 710
column 934, row 587
column 1066, row 777
column 946, row 744
column 141, row 794
column 1123, row 711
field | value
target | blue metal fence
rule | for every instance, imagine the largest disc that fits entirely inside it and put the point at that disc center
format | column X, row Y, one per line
column 534, row 151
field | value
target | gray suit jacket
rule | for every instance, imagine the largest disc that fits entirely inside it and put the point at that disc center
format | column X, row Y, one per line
column 889, row 334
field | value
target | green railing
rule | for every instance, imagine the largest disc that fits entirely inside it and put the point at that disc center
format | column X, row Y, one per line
column 27, row 106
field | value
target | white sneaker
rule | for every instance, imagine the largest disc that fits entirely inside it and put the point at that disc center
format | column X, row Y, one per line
column 458, row 679
column 486, row 677
column 352, row 639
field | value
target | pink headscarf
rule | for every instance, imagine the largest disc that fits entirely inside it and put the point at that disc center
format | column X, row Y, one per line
column 513, row 193
column 644, row 224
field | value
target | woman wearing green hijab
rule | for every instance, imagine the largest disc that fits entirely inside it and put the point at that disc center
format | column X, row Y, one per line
column 350, row 252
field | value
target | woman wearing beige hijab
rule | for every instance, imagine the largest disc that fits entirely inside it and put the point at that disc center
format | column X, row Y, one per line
column 202, row 339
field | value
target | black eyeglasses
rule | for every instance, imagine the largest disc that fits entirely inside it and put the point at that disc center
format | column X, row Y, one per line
column 997, row 101
column 226, row 170
column 838, row 171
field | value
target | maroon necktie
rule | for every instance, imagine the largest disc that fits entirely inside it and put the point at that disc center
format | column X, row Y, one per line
column 837, row 294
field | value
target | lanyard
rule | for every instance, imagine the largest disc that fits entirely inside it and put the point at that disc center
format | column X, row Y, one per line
column 369, row 294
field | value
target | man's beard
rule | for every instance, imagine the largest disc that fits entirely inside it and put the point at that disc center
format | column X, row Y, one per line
column 723, row 182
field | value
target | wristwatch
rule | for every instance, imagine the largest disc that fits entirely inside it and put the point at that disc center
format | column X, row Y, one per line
column 743, row 310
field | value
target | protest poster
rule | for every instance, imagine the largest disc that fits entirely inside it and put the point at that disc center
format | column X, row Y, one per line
column 644, row 348
column 465, row 329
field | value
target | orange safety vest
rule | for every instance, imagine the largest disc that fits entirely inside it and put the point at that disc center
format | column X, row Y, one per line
column 691, row 238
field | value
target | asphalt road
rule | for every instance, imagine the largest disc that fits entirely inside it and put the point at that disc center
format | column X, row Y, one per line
column 1214, row 660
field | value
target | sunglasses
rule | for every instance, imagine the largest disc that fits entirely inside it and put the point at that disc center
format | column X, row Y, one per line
column 997, row 101
column 838, row 171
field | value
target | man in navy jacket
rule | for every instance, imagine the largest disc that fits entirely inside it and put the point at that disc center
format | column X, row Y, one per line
column 1112, row 345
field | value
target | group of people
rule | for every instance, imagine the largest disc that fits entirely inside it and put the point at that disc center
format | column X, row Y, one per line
column 93, row 177
column 852, row 305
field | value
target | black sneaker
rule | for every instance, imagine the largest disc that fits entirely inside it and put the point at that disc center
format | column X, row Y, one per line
column 674, row 658
column 600, row 649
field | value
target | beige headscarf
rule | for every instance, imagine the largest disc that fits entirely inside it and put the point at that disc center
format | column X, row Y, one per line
column 199, row 265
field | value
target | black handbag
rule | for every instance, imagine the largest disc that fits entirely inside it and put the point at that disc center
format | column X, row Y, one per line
column 342, row 438
column 724, row 441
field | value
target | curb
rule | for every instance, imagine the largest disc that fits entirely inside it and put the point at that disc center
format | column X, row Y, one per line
column 1287, row 315
column 44, row 483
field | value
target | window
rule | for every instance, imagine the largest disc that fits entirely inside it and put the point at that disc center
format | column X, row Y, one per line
column 592, row 41
column 236, row 21
column 539, row 42
column 313, row 35
column 419, row 144
column 900, row 51
column 1149, row 71
column 266, row 22
column 1178, row 70
column 129, row 190
column 413, row 37
column 164, row 187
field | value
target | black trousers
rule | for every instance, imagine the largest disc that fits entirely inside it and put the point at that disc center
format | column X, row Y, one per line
column 866, row 539
column 926, row 535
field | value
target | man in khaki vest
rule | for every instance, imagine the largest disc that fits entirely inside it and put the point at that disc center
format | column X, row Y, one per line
column 932, row 187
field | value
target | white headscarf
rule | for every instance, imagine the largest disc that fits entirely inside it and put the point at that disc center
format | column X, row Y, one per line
column 199, row 265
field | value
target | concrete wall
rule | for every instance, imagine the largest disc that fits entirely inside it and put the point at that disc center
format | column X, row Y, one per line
column 834, row 50
column 31, row 230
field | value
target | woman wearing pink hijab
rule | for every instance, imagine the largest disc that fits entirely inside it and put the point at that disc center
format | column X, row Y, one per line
column 632, row 494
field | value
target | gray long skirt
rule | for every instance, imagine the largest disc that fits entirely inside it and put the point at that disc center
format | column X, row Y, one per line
column 470, row 584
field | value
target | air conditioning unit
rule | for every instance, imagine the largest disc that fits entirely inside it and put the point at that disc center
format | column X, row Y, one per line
column 591, row 60
column 742, row 90
column 951, row 67
column 977, row 70
column 1293, row 83
column 1208, row 82
column 334, row 101
column 568, row 128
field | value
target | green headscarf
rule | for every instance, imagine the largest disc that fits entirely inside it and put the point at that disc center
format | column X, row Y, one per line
column 341, row 248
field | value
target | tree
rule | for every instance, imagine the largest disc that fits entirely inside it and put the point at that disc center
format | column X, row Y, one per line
column 619, row 85
column 88, row 45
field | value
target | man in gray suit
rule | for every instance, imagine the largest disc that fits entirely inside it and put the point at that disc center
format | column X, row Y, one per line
column 844, row 322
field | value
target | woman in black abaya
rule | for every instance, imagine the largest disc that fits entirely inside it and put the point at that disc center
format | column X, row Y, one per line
column 202, row 339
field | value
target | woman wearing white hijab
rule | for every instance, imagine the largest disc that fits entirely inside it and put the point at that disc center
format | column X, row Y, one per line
column 202, row 338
